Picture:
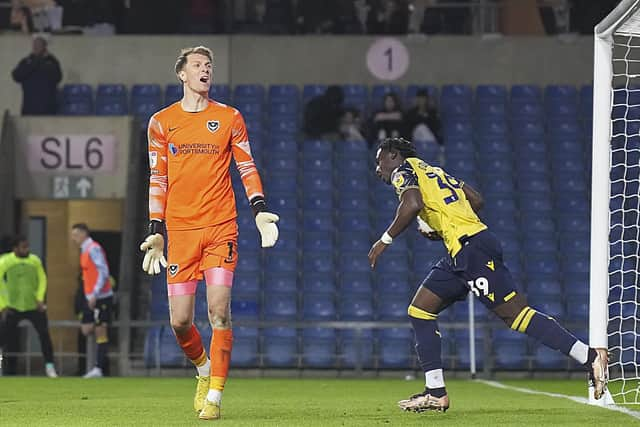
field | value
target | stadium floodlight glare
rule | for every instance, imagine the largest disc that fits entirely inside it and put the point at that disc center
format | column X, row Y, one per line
column 614, row 301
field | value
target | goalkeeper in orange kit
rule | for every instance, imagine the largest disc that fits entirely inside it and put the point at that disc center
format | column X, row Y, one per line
column 192, row 204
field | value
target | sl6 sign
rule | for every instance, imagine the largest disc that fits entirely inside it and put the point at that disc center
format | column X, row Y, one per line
column 71, row 153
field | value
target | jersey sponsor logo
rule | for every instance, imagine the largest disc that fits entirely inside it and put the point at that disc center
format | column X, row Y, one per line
column 213, row 125
column 173, row 269
column 174, row 150
column 194, row 148
column 153, row 159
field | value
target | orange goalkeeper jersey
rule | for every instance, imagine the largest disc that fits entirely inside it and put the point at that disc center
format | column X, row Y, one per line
column 189, row 157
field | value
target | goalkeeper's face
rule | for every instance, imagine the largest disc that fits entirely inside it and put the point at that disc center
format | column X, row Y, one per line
column 197, row 73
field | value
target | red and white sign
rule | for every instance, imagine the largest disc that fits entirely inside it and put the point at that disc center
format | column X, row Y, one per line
column 72, row 153
column 388, row 59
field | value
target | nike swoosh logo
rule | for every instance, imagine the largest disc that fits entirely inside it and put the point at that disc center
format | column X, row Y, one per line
column 173, row 128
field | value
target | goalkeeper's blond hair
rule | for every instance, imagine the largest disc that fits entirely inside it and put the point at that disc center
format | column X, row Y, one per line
column 184, row 53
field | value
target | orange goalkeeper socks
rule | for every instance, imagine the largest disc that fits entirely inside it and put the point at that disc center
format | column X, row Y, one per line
column 191, row 344
column 221, row 344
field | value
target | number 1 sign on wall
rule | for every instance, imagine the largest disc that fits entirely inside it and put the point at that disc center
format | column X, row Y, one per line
column 388, row 59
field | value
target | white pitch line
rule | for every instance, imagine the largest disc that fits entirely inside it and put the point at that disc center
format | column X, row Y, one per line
column 576, row 399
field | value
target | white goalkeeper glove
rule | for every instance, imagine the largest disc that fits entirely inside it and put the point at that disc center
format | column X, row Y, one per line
column 266, row 223
column 153, row 246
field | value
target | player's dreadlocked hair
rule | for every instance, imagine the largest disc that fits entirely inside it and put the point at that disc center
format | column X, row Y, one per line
column 404, row 147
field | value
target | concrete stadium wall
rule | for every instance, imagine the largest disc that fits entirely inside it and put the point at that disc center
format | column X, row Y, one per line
column 309, row 59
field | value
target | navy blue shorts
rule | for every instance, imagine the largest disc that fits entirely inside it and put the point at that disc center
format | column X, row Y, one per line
column 478, row 267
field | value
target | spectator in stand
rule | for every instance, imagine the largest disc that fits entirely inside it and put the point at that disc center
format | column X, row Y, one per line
column 351, row 126
column 39, row 74
column 423, row 121
column 278, row 17
column 315, row 16
column 388, row 17
column 389, row 121
column 322, row 114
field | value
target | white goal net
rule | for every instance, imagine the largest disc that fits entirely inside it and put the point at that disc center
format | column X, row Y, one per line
column 615, row 268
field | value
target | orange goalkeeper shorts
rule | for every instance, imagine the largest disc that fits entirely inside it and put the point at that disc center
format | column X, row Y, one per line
column 191, row 252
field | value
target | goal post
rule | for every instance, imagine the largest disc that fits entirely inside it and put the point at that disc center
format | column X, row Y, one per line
column 615, row 203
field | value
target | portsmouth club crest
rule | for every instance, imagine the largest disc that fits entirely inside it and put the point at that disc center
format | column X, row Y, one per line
column 173, row 269
column 213, row 125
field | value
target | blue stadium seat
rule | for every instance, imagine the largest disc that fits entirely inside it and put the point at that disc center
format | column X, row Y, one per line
column 245, row 307
column 353, row 222
column 576, row 262
column 352, row 164
column 531, row 148
column 586, row 101
column 283, row 110
column 492, row 129
column 280, row 282
column 356, row 308
column 493, row 183
column 280, row 306
column 279, row 262
column 314, row 221
column 354, row 241
column 501, row 223
column 541, row 263
column 220, row 93
column 455, row 94
column 535, row 202
column 490, row 110
column 576, row 284
column 572, row 242
column 312, row 91
column 393, row 309
column 319, row 283
column 111, row 100
column 248, row 92
column 572, row 201
column 250, row 110
column 280, row 347
column 567, row 182
column 578, row 309
column 172, row 93
column 318, row 202
column 549, row 359
column 545, row 286
column 287, row 240
column 284, row 93
column 247, row 283
column 356, row 96
column 318, row 348
column 536, row 223
column 496, row 165
column 396, row 348
column 358, row 149
column 392, row 263
column 510, row 354
column 526, row 129
column 532, row 165
column 397, row 284
column 564, row 128
column 281, row 183
column 564, row 92
column 356, row 348
column 353, row 203
column 534, row 183
column 317, row 241
column 245, row 347
column 352, row 284
column 353, row 262
column 457, row 129
column 249, row 262
column 412, row 90
column 318, row 262
column 525, row 92
column 318, row 306
column 77, row 99
column 491, row 93
column 314, row 163
column 145, row 101
column 314, row 182
column 578, row 223
column 526, row 109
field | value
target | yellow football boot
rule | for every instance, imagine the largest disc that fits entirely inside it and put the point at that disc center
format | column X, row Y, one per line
column 202, row 388
column 210, row 411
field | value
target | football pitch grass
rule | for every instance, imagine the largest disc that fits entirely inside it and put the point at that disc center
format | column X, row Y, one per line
column 290, row 402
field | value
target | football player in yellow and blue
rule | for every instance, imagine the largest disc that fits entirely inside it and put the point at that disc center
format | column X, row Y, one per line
column 474, row 263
